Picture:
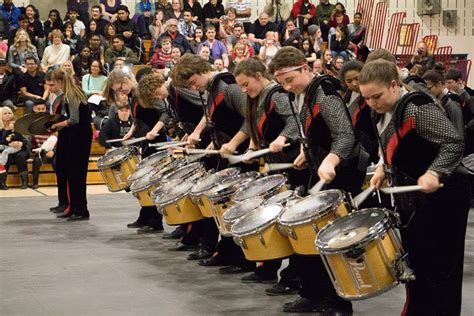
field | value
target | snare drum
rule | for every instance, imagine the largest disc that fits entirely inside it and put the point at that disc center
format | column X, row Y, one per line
column 198, row 192
column 116, row 166
column 220, row 196
column 177, row 206
column 234, row 213
column 302, row 220
column 158, row 159
column 264, row 187
column 283, row 198
column 184, row 172
column 361, row 253
column 144, row 186
column 257, row 234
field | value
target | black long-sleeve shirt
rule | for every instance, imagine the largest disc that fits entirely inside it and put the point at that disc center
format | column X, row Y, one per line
column 114, row 128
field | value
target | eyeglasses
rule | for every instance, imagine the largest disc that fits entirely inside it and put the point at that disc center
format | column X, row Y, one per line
column 175, row 25
column 430, row 87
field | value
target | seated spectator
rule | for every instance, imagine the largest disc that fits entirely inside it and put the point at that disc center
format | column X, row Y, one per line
column 35, row 27
column 238, row 53
column 117, row 126
column 339, row 63
column 186, row 26
column 69, row 69
column 249, row 52
column 162, row 56
column 269, row 48
column 12, row 149
column 71, row 39
column 423, row 56
column 175, row 12
column 97, row 50
column 19, row 51
column 198, row 39
column 318, row 67
column 119, row 49
column 324, row 12
column 339, row 16
column 81, row 7
column 304, row 14
column 308, row 51
column 163, row 5
column 144, row 11
column 7, row 83
column 56, row 53
column 54, row 22
column 82, row 62
column 4, row 26
column 93, row 82
column 357, row 30
column 3, row 48
column 110, row 8
column 127, row 28
column 175, row 55
column 42, row 147
column 32, row 85
column 24, row 25
column 339, row 42
column 110, row 32
column 92, row 29
column 292, row 35
column 205, row 53
column 157, row 26
column 259, row 29
column 417, row 70
column 77, row 25
column 10, row 13
column 315, row 38
column 196, row 9
column 96, row 15
column 218, row 49
column 177, row 39
column 243, row 10
column 212, row 12
column 233, row 38
column 219, row 66
column 227, row 23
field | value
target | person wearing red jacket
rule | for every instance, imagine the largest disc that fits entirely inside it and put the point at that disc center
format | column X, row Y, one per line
column 304, row 13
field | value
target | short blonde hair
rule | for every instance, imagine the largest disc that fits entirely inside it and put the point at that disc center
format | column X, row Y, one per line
column 54, row 33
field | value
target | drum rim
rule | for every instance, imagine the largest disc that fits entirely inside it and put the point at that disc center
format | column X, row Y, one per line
column 140, row 164
column 153, row 181
column 129, row 150
column 175, row 199
column 198, row 164
column 276, row 188
column 232, row 220
column 291, row 197
column 380, row 229
column 130, row 181
column 255, row 229
column 236, row 170
column 224, row 193
column 319, row 215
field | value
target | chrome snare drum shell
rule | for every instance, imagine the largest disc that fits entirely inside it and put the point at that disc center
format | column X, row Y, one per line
column 213, row 180
column 235, row 212
column 225, row 189
column 362, row 253
column 115, row 157
column 262, row 187
column 185, row 171
column 157, row 159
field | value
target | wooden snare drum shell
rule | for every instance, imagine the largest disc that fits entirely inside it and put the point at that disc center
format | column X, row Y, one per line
column 263, row 245
column 116, row 177
column 144, row 196
column 368, row 275
column 204, row 205
column 181, row 212
column 302, row 236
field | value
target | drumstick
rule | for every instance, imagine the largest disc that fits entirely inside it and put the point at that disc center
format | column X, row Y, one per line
column 133, row 141
column 404, row 189
column 277, row 166
column 195, row 151
column 361, row 197
column 116, row 140
column 317, row 187
column 169, row 145
column 233, row 159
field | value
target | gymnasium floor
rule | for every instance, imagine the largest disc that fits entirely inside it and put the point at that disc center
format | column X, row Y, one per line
column 52, row 267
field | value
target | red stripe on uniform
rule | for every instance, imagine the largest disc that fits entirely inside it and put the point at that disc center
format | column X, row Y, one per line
column 309, row 119
column 407, row 302
column 68, row 208
column 218, row 100
column 392, row 144
column 263, row 119
column 356, row 113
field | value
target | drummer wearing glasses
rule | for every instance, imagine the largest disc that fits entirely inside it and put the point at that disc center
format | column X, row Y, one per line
column 427, row 151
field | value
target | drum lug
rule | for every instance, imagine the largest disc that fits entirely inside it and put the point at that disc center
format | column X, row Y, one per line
column 355, row 253
column 178, row 208
column 260, row 238
column 315, row 228
column 240, row 242
column 162, row 211
column 403, row 272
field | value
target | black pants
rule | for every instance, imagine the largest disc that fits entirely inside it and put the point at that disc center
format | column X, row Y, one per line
column 19, row 159
column 233, row 254
column 193, row 232
column 288, row 276
column 72, row 160
column 39, row 161
column 435, row 240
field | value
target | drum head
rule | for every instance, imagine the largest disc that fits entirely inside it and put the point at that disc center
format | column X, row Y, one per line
column 174, row 194
column 259, row 218
column 146, row 181
column 184, row 172
column 312, row 206
column 281, row 197
column 352, row 230
column 213, row 180
column 140, row 172
column 239, row 210
column 259, row 187
column 230, row 185
column 113, row 157
column 154, row 159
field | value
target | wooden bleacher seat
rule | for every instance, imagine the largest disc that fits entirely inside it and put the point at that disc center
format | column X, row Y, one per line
column 146, row 47
column 136, row 68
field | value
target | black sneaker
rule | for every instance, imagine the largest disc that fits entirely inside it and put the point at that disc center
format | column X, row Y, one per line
column 199, row 255
column 281, row 289
column 215, row 261
column 135, row 224
column 149, row 230
column 175, row 234
column 324, row 307
column 256, row 278
column 232, row 270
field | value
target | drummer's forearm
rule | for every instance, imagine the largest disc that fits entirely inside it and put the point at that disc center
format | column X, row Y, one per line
column 238, row 139
column 157, row 128
column 201, row 126
column 333, row 159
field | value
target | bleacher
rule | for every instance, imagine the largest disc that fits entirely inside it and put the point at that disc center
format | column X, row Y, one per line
column 47, row 176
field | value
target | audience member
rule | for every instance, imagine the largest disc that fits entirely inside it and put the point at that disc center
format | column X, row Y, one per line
column 35, row 27
column 71, row 39
column 324, row 11
column 81, row 7
column 78, row 26
column 97, row 49
column 157, row 26
column 162, row 55
column 31, row 84
column 110, row 32
column 10, row 13
column 186, row 26
column 144, row 11
column 56, row 53
column 219, row 66
column 93, row 82
column 82, row 62
column 162, row 5
column 196, row 8
column 315, row 38
column 199, row 37
column 7, row 86
column 423, row 56
column 119, row 49
column 357, row 30
column 243, row 10
column 205, row 53
column 218, row 49
column 238, row 53
column 244, row 39
column 92, row 29
column 127, row 27
column 339, row 16
column 318, row 67
column 269, row 48
column 177, row 39
column 117, row 126
column 110, row 8
column 19, row 51
column 259, row 29
column 308, row 51
column 304, row 14
column 96, row 15
column 175, row 12
column 291, row 35
column 212, row 12
column 339, row 42
column 54, row 22
column 234, row 37
column 23, row 25
column 175, row 55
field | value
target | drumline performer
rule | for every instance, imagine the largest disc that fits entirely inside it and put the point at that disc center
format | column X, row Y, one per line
column 337, row 159
column 420, row 145
column 73, row 146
